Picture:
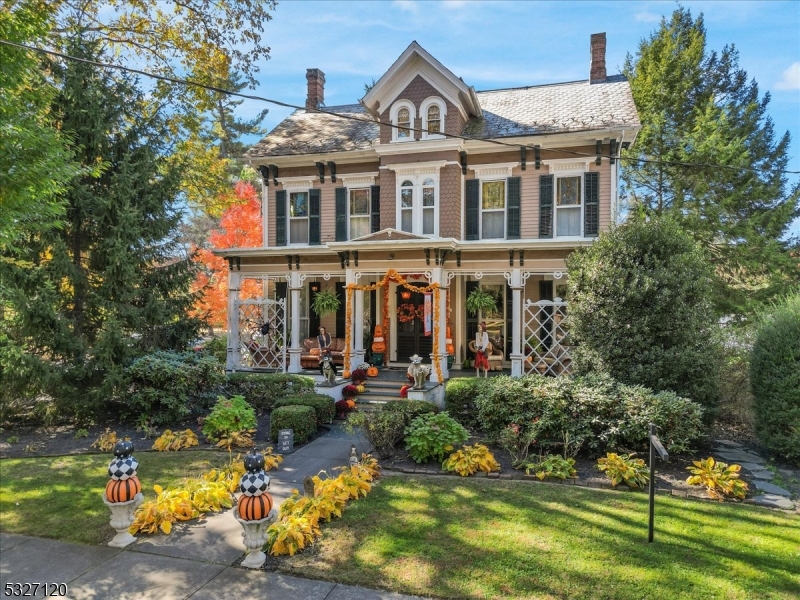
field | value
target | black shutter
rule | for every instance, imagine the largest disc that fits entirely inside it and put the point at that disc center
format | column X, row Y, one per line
column 513, row 208
column 375, row 191
column 473, row 209
column 280, row 218
column 341, row 214
column 545, row 206
column 313, row 218
column 341, row 314
column 591, row 217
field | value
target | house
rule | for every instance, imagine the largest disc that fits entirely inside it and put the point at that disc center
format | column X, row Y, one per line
column 425, row 190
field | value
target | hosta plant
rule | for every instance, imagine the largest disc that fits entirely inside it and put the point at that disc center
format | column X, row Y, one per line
column 624, row 468
column 175, row 441
column 106, row 441
column 471, row 459
column 231, row 473
column 229, row 416
column 720, row 479
column 236, row 439
column 432, row 436
column 553, row 465
column 183, row 503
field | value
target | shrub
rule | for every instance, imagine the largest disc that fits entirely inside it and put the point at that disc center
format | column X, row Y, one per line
column 640, row 310
column 619, row 468
column 409, row 409
column 217, row 347
column 471, row 459
column 300, row 419
column 720, row 479
column 775, row 377
column 459, row 399
column 165, row 387
column 432, row 436
column 553, row 465
column 323, row 405
column 383, row 429
column 229, row 416
column 262, row 389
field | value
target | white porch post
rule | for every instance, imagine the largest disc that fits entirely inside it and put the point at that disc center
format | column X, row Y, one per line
column 516, row 282
column 233, row 357
column 439, row 275
column 358, row 327
column 295, row 285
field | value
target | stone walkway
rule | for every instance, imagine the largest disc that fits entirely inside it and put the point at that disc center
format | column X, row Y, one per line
column 766, row 492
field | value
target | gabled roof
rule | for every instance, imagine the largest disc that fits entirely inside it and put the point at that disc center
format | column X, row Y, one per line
column 415, row 60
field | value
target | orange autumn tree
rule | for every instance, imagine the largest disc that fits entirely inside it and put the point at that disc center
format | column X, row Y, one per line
column 239, row 227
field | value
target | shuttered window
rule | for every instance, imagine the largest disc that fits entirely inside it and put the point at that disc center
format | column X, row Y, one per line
column 545, row 206
column 280, row 218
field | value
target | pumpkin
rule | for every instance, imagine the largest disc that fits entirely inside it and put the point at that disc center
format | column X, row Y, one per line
column 346, row 374
column 449, row 347
column 255, row 508
column 404, row 391
column 372, row 372
column 123, row 468
column 254, row 461
column 351, row 404
column 123, row 490
column 254, row 483
column 360, row 388
column 378, row 343
column 123, row 448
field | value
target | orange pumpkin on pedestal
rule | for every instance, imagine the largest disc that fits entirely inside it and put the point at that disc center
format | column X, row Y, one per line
column 123, row 490
column 255, row 508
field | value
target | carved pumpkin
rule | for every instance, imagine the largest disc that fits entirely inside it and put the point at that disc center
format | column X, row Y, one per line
column 255, row 508
column 378, row 343
column 372, row 372
column 360, row 388
column 123, row 490
column 254, row 461
column 346, row 374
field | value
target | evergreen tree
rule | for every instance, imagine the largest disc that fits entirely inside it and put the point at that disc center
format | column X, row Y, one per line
column 698, row 107
column 110, row 284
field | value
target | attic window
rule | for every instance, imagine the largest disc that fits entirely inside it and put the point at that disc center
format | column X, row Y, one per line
column 403, row 120
column 433, row 111
column 434, row 121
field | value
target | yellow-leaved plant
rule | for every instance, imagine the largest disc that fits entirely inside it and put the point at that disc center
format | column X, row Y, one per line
column 623, row 467
column 471, row 459
column 168, row 440
column 720, row 479
column 106, row 441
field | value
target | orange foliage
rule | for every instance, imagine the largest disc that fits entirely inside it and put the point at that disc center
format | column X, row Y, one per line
column 240, row 227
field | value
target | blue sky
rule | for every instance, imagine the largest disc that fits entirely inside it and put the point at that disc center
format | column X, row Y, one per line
column 507, row 44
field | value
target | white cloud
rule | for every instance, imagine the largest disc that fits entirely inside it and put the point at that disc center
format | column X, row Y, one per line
column 790, row 79
column 407, row 5
column 644, row 16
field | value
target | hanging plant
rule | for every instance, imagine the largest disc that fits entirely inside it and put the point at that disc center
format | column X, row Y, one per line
column 325, row 302
column 480, row 301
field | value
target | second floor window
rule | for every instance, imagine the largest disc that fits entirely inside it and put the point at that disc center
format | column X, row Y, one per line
column 360, row 223
column 403, row 124
column 434, row 119
column 568, row 206
column 417, row 205
column 298, row 218
column 493, row 209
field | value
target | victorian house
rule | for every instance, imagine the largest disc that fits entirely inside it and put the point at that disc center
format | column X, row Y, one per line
column 408, row 201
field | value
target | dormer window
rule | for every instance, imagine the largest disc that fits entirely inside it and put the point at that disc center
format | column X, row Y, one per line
column 403, row 114
column 433, row 111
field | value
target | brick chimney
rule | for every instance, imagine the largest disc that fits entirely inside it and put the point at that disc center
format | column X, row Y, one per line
column 316, row 88
column 597, row 71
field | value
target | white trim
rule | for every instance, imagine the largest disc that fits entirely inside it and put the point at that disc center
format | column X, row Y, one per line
column 423, row 112
column 421, row 168
column 417, row 177
column 412, row 114
column 493, row 171
column 351, row 188
column 426, row 145
column 580, row 165
column 298, row 184
column 357, row 179
column 580, row 207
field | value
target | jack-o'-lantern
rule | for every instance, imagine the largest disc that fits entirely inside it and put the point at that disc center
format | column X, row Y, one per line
column 378, row 343
column 372, row 372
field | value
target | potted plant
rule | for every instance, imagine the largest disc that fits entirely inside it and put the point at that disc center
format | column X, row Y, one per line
column 325, row 302
column 480, row 301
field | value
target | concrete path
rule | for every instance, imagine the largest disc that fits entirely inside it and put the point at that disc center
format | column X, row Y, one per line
column 194, row 561
column 771, row 495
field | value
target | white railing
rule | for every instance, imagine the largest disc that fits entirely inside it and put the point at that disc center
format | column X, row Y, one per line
column 545, row 340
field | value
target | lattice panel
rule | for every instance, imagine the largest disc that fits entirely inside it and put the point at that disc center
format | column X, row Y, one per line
column 262, row 347
column 545, row 340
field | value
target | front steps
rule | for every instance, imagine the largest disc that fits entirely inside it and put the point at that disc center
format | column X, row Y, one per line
column 378, row 392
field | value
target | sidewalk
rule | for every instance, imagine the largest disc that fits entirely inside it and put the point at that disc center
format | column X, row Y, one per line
column 194, row 561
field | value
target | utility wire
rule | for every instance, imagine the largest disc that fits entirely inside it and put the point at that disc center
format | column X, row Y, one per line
column 373, row 122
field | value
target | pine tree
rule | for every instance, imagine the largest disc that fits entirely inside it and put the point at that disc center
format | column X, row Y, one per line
column 708, row 156
column 110, row 284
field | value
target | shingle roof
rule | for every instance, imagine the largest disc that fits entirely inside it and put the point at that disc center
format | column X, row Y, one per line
column 563, row 107
column 312, row 133
column 555, row 108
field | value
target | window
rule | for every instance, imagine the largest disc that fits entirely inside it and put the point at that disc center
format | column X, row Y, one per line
column 417, row 204
column 407, row 206
column 493, row 209
column 402, row 115
column 568, row 206
column 298, row 218
column 360, row 224
column 428, row 206
column 433, row 111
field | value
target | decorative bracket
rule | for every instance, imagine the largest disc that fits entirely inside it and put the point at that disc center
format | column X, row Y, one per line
column 613, row 150
column 427, row 256
column 511, row 257
column 599, row 151
column 264, row 170
column 521, row 257
column 523, row 157
column 297, row 261
column 463, row 158
column 458, row 258
column 344, row 258
column 321, row 169
column 355, row 257
column 537, row 157
column 332, row 169
column 289, row 261
column 274, row 171
column 234, row 260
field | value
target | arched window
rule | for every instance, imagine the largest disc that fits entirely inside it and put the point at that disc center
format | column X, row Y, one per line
column 433, row 111
column 402, row 116
column 407, row 206
column 428, row 206
column 434, row 119
column 403, row 123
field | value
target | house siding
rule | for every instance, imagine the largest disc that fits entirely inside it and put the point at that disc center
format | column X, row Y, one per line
column 388, row 199
column 450, row 204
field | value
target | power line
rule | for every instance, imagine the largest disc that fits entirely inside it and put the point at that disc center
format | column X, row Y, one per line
column 373, row 122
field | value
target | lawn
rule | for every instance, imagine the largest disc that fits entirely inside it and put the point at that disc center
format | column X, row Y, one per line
column 61, row 497
column 480, row 538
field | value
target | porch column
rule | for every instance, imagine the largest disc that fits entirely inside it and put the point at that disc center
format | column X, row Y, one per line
column 439, row 275
column 517, row 283
column 358, row 327
column 295, row 286
column 234, row 356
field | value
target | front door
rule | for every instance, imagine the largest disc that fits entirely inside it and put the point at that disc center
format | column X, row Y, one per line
column 411, row 338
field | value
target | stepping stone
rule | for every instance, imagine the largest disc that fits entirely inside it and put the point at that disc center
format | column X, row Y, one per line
column 773, row 501
column 771, row 488
column 757, row 471
column 740, row 456
column 728, row 443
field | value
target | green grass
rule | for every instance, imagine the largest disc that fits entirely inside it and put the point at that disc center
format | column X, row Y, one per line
column 479, row 538
column 62, row 497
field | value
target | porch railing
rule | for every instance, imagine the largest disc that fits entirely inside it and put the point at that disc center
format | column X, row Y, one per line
column 545, row 341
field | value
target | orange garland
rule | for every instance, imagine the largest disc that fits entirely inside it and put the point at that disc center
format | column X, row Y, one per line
column 392, row 276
